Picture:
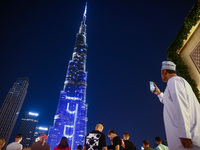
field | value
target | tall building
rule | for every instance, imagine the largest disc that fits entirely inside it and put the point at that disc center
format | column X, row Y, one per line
column 11, row 107
column 27, row 128
column 71, row 116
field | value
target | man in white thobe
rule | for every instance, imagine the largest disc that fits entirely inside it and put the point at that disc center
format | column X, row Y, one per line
column 181, row 110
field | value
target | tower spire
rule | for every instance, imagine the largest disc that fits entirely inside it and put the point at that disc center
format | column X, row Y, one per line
column 82, row 28
column 85, row 12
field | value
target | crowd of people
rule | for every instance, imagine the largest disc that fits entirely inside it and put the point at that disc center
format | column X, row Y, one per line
column 181, row 119
column 38, row 145
column 94, row 140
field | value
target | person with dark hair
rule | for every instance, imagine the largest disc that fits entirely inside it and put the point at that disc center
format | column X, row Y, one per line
column 128, row 144
column 2, row 142
column 41, row 144
column 96, row 140
column 181, row 110
column 160, row 145
column 146, row 145
column 79, row 147
column 63, row 145
column 118, row 143
column 16, row 145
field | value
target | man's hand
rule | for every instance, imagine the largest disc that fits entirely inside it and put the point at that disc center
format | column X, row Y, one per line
column 157, row 90
column 187, row 143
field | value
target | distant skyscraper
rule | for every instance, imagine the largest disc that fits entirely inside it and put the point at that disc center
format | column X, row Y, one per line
column 27, row 128
column 71, row 116
column 11, row 107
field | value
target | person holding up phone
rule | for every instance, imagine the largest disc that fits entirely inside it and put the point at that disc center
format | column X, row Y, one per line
column 181, row 110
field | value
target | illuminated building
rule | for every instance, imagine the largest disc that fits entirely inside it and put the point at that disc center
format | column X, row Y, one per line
column 27, row 128
column 71, row 116
column 11, row 107
column 39, row 131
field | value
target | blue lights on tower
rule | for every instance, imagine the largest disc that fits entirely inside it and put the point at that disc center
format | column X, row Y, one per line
column 71, row 116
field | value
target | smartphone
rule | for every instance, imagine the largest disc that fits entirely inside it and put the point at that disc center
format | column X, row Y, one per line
column 152, row 86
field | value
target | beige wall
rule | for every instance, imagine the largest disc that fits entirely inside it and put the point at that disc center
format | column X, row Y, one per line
column 189, row 46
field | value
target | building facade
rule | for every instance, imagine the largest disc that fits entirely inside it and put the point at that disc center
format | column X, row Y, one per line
column 190, row 53
column 27, row 128
column 184, row 50
column 11, row 107
column 71, row 116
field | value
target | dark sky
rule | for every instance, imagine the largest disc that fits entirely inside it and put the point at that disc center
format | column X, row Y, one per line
column 127, row 41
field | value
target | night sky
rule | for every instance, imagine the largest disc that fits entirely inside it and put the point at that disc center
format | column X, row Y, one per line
column 127, row 41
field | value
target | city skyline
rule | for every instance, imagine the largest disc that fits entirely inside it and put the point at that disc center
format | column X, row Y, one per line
column 127, row 42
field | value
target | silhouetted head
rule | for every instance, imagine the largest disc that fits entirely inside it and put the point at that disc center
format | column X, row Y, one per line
column 18, row 138
column 99, row 127
column 111, row 134
column 63, row 143
column 126, row 136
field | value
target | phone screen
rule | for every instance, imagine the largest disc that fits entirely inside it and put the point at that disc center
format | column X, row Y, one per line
column 152, row 86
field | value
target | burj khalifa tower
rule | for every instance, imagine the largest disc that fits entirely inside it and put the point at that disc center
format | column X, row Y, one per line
column 71, row 116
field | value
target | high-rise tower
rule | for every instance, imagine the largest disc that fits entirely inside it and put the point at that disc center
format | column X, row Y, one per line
column 11, row 107
column 27, row 128
column 71, row 116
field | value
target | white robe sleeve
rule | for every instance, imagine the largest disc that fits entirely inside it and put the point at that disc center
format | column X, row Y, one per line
column 160, row 96
column 181, row 115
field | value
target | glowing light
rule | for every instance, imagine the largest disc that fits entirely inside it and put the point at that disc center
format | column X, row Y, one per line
column 56, row 117
column 73, row 98
column 71, row 112
column 43, row 128
column 33, row 114
column 68, row 126
column 75, row 123
column 67, row 136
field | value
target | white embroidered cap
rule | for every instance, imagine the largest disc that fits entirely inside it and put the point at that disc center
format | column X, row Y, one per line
column 168, row 65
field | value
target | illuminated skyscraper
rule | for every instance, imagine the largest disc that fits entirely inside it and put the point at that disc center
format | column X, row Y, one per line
column 71, row 116
column 27, row 128
column 11, row 107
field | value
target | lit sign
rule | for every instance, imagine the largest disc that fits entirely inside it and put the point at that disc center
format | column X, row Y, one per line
column 72, row 98
column 42, row 128
column 67, row 136
column 33, row 114
column 68, row 126
column 71, row 112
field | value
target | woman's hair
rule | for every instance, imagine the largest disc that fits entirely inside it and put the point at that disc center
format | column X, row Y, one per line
column 63, row 143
